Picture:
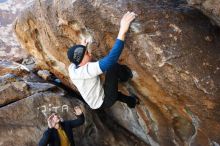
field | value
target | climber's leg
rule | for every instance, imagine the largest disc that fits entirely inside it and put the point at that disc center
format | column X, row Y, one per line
column 117, row 72
column 111, row 87
column 124, row 73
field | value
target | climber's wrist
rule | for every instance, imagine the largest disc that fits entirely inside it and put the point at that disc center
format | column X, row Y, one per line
column 121, row 35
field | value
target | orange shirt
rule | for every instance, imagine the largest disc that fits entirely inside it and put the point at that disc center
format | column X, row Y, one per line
column 64, row 141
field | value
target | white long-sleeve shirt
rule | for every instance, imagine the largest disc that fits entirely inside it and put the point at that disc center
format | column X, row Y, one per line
column 86, row 79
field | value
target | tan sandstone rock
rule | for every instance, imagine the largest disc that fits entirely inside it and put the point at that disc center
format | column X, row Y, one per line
column 172, row 49
column 211, row 8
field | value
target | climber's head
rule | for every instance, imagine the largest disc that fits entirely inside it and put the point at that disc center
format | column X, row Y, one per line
column 79, row 55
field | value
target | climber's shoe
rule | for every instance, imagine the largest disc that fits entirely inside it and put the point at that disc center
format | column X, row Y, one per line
column 134, row 100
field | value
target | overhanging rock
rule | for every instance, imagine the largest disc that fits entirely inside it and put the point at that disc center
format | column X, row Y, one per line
column 172, row 49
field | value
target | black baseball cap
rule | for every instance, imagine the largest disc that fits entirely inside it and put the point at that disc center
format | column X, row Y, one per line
column 76, row 54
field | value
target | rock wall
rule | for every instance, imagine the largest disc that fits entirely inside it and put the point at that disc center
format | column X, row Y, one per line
column 211, row 8
column 172, row 49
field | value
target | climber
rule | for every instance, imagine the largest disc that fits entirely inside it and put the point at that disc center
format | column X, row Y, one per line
column 59, row 133
column 85, row 74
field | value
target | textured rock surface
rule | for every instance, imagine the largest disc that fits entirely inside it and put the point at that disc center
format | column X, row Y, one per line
column 172, row 49
column 9, row 47
column 25, row 102
column 210, row 8
column 13, row 84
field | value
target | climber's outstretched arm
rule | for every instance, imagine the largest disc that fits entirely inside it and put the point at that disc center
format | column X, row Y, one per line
column 113, row 56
